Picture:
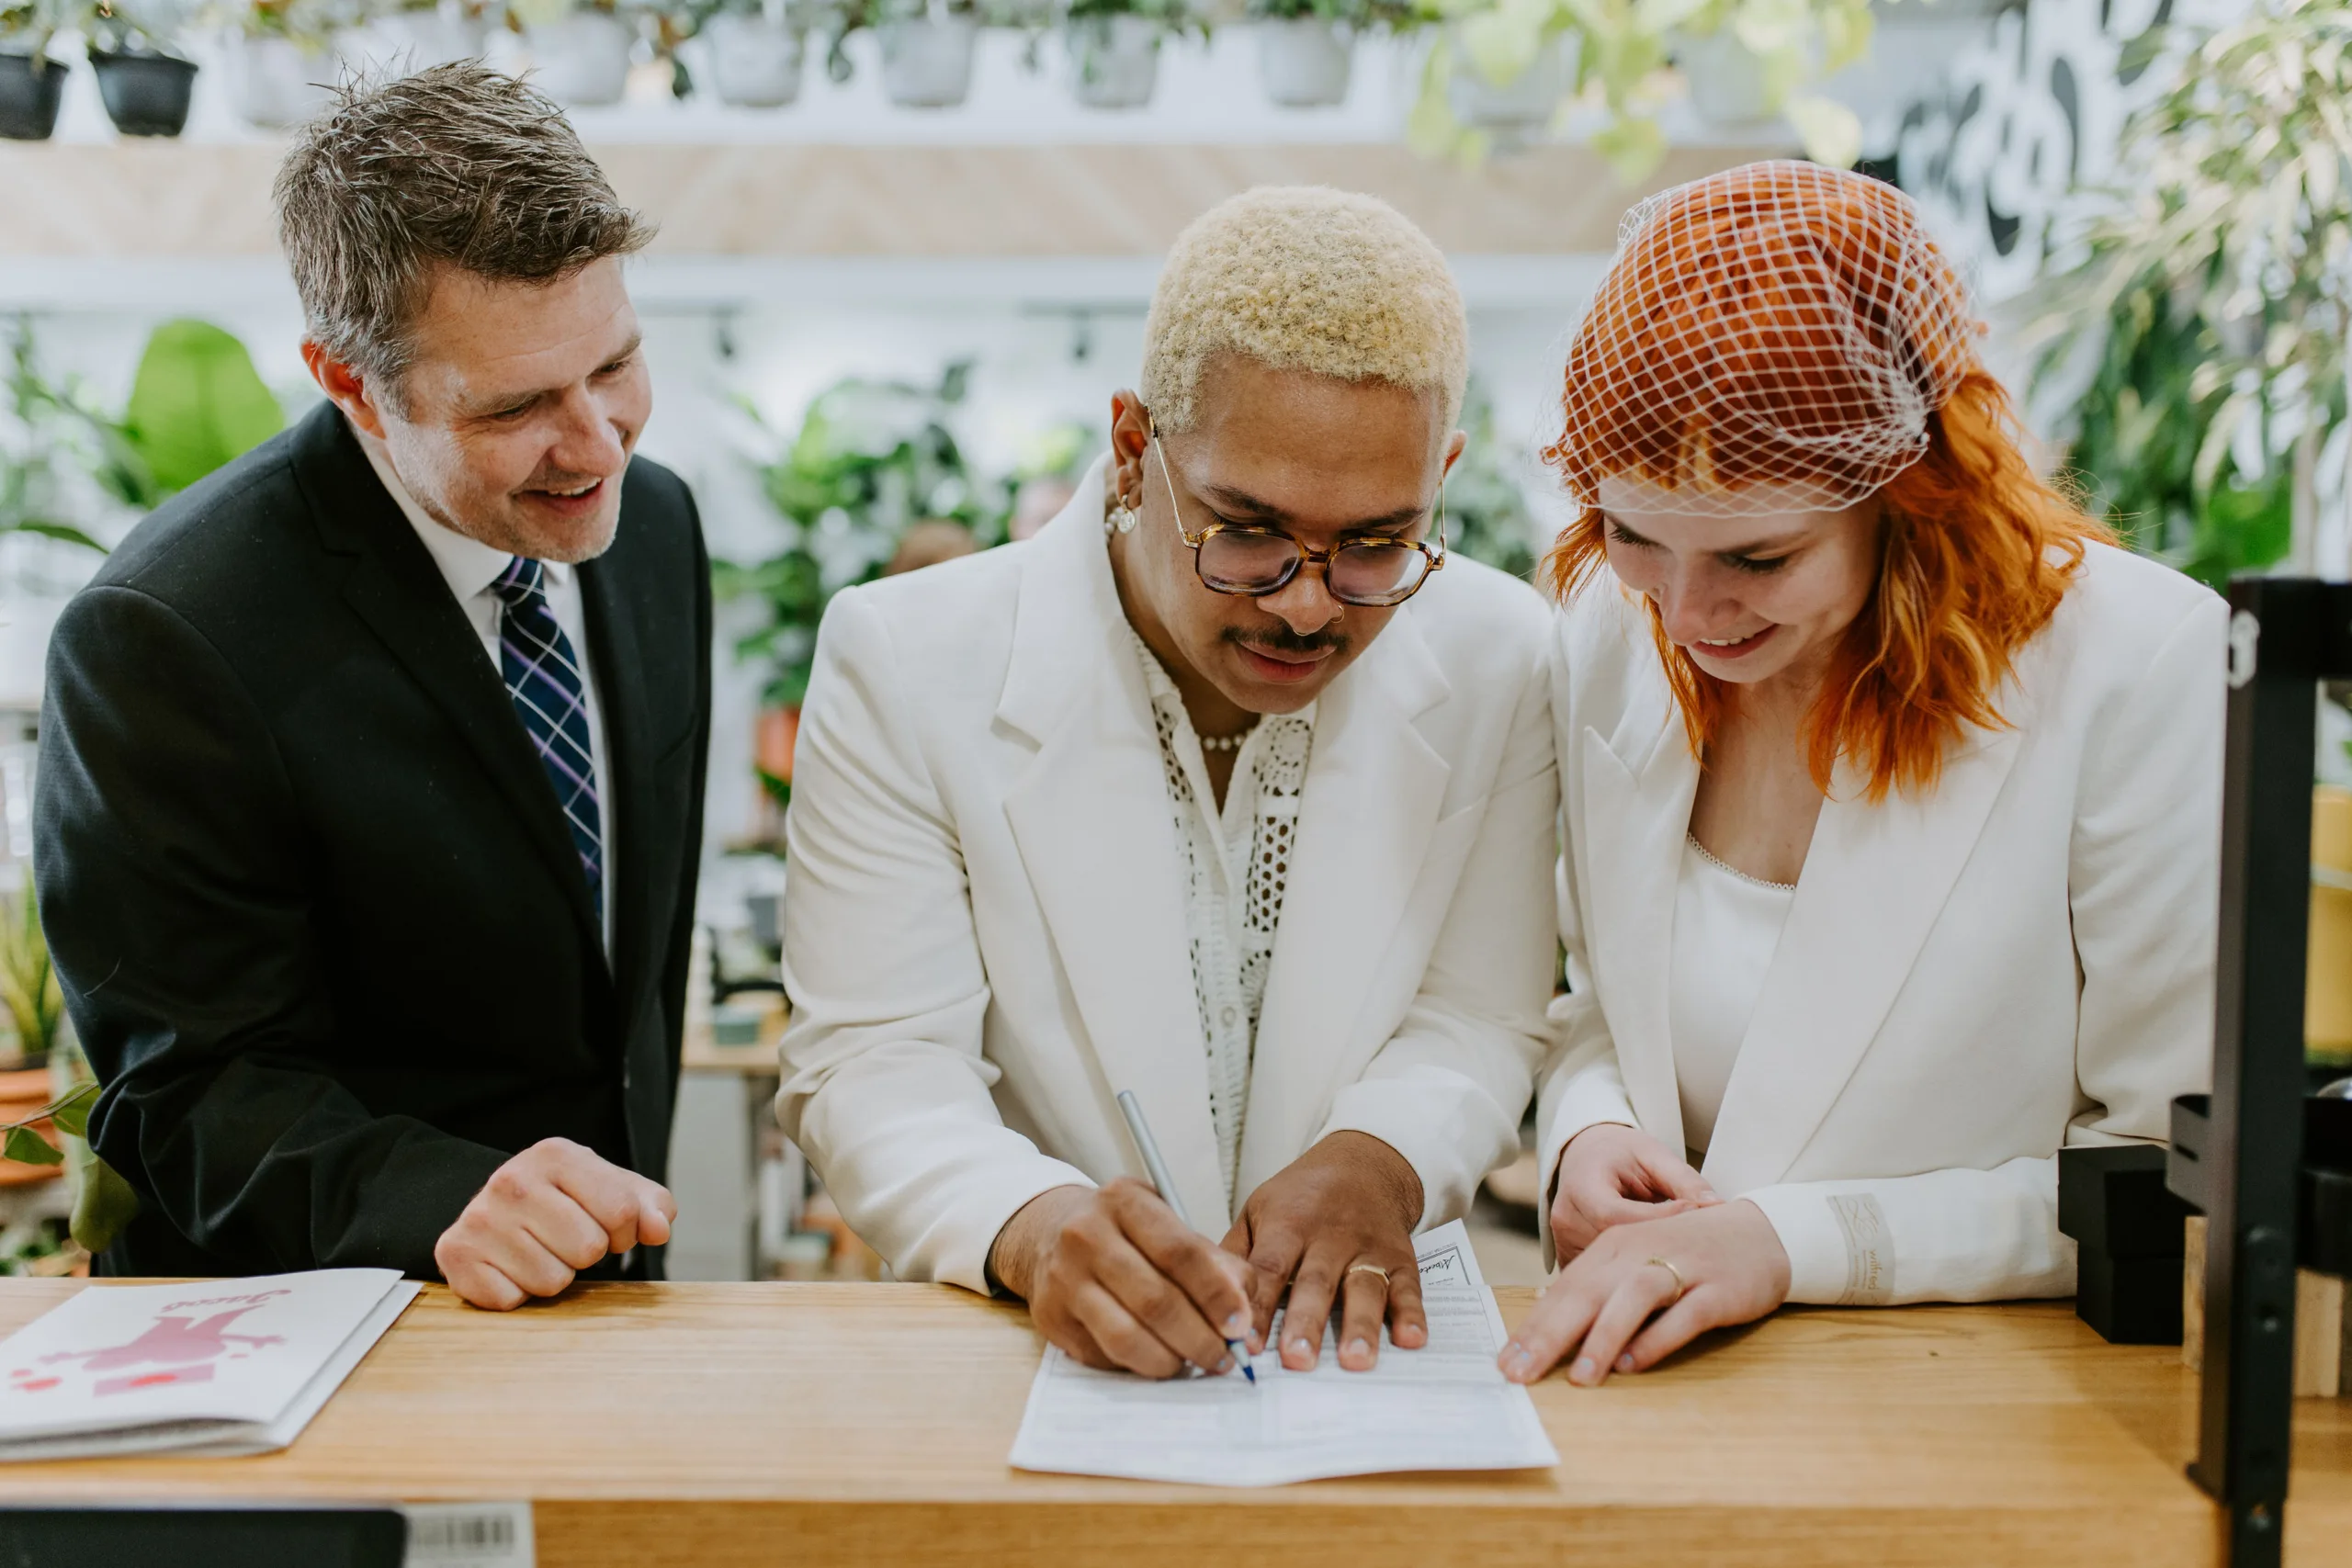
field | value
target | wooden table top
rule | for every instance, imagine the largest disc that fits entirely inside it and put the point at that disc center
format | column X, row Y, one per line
column 714, row 1424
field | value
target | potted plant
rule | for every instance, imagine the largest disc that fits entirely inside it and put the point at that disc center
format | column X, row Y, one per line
column 1114, row 48
column 752, row 51
column 580, row 49
column 416, row 35
column 1305, row 50
column 871, row 459
column 282, row 60
column 1504, row 70
column 927, row 50
column 144, row 86
column 32, row 84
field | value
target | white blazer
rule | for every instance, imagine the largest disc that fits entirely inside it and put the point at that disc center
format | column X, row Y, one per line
column 2021, row 961
column 984, row 933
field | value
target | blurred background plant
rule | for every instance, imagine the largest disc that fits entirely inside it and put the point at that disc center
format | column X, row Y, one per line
column 1612, row 58
column 1486, row 515
column 2209, row 297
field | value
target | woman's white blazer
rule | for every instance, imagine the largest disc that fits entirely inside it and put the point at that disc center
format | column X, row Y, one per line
column 984, row 923
column 2020, row 961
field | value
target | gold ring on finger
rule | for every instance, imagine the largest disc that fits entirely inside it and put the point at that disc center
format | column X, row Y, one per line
column 1368, row 1268
column 1682, row 1287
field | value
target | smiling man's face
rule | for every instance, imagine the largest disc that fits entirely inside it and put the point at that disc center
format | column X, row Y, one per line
column 519, row 409
column 1319, row 460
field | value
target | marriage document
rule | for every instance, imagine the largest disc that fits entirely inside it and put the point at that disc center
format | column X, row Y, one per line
column 1443, row 1406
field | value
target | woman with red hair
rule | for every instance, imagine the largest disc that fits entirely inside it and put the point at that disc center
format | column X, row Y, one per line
column 1890, row 793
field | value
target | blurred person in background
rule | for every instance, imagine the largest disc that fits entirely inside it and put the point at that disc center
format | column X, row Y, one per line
column 1217, row 789
column 372, row 777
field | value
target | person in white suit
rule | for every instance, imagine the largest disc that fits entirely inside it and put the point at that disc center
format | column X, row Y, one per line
column 1892, row 793
column 1232, row 788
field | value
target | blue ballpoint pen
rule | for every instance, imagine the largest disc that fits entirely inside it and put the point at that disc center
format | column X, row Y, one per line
column 1132, row 1109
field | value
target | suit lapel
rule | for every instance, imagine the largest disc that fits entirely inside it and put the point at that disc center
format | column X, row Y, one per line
column 1639, row 785
column 1875, row 880
column 617, row 659
column 1091, row 816
column 1373, row 789
column 394, row 587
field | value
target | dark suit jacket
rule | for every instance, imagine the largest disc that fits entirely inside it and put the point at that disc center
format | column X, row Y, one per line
column 316, row 912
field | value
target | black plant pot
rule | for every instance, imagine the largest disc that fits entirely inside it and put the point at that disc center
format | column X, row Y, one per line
column 146, row 94
column 30, row 94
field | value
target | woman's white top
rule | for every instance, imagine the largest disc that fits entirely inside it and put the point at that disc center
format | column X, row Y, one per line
column 1726, row 926
column 1236, row 863
column 1968, row 979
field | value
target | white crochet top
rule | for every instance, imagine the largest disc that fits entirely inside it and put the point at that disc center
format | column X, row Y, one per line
column 1235, row 862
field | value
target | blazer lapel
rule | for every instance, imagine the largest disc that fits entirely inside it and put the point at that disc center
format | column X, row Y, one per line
column 1374, row 786
column 395, row 587
column 1091, row 816
column 616, row 657
column 1639, row 785
column 1875, row 880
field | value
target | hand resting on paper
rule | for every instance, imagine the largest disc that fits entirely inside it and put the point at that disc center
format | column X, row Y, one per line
column 1723, row 1264
column 1614, row 1175
column 544, row 1215
column 1350, row 1200
column 1117, row 1280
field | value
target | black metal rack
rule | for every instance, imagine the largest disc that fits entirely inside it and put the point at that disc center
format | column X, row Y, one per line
column 2239, row 1157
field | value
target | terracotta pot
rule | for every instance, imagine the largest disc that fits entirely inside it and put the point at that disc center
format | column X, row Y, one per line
column 21, row 1094
column 773, row 741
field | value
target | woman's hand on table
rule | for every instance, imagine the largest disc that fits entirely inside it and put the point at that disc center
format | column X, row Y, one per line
column 544, row 1215
column 1613, row 1175
column 1117, row 1280
column 1336, row 1225
column 1681, row 1275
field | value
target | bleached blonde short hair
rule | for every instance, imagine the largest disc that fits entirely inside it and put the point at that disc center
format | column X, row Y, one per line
column 1309, row 278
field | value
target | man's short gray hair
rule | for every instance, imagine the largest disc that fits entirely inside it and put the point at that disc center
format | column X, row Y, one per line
column 460, row 166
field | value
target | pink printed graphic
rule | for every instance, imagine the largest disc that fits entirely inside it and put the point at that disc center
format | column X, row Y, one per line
column 184, row 1347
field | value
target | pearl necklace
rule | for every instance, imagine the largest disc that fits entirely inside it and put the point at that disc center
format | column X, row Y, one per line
column 1227, row 742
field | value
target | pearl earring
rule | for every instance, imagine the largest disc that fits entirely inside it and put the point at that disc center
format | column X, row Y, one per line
column 1122, row 519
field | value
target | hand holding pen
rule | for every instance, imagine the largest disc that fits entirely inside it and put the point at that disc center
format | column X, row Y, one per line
column 1116, row 1278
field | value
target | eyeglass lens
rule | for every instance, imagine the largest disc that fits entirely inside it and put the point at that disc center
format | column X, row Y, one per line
column 1369, row 573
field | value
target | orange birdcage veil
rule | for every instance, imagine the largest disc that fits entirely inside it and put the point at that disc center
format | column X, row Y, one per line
column 1784, row 337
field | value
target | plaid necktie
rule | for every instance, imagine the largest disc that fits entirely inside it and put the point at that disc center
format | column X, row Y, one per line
column 550, row 697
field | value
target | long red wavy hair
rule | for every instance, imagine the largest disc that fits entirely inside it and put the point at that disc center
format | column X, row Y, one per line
column 1977, row 549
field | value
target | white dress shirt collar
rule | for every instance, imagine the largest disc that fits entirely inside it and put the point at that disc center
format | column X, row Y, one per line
column 468, row 565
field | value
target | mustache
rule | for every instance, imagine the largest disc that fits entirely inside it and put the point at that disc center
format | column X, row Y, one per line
column 558, row 480
column 1282, row 639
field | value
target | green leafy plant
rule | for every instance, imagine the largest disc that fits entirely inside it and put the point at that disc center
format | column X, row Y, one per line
column 2220, row 274
column 30, row 27
column 1175, row 17
column 28, row 987
column 872, row 457
column 1487, row 516
column 56, row 428
column 195, row 403
column 1398, row 16
column 1623, row 49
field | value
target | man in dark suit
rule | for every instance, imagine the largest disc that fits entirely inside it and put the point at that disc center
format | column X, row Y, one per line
column 370, row 789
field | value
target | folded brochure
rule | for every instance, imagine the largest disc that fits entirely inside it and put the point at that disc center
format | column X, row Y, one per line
column 215, row 1368
column 1444, row 1406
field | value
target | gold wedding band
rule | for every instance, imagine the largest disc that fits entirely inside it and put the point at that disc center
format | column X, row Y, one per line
column 1680, row 1287
column 1368, row 1268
